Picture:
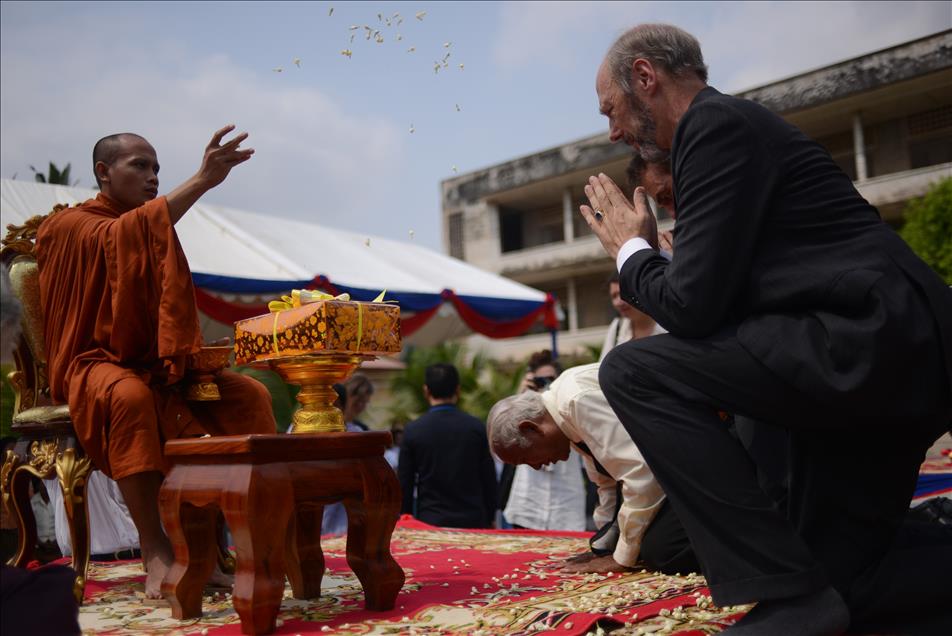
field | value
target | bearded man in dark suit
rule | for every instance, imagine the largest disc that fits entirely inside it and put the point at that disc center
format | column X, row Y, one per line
column 788, row 300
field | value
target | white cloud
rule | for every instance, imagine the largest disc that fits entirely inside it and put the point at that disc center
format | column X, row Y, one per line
column 744, row 43
column 755, row 43
column 55, row 106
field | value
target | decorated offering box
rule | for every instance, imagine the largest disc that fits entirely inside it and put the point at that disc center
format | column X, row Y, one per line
column 323, row 326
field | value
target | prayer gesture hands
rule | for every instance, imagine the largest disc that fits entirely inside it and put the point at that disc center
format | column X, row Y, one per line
column 220, row 158
column 614, row 219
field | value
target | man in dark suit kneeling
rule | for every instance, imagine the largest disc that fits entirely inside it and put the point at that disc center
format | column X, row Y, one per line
column 789, row 301
column 445, row 458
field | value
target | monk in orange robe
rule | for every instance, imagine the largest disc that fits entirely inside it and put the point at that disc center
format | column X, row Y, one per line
column 120, row 319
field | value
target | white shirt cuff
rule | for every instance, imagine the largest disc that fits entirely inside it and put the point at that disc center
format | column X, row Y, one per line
column 631, row 246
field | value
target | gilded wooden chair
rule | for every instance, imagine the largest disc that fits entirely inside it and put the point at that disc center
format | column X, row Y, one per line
column 46, row 442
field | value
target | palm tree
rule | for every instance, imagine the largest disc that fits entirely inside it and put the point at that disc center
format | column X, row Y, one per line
column 482, row 383
column 55, row 175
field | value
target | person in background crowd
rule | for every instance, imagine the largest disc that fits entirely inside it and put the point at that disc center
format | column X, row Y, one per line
column 445, row 469
column 359, row 391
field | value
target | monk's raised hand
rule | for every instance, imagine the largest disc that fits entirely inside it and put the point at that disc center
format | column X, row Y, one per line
column 614, row 219
column 220, row 157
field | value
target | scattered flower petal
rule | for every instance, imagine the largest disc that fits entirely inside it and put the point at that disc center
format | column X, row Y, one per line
column 420, row 14
column 347, row 52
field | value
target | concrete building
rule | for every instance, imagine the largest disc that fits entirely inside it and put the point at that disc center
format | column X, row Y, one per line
column 885, row 117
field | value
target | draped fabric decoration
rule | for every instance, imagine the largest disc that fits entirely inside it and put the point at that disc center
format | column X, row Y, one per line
column 491, row 317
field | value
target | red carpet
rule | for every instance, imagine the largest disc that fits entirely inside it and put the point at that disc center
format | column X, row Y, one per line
column 472, row 582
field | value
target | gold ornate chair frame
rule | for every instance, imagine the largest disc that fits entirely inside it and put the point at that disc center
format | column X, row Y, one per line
column 46, row 443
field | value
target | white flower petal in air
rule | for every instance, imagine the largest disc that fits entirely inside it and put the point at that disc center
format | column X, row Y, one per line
column 347, row 52
column 458, row 109
column 461, row 67
column 412, row 129
column 330, row 12
column 411, row 49
column 277, row 69
column 297, row 62
column 367, row 242
column 420, row 14
column 455, row 170
column 353, row 27
column 399, row 37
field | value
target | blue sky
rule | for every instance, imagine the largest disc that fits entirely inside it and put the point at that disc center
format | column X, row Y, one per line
column 333, row 136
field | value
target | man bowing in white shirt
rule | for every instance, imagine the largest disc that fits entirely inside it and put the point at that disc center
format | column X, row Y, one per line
column 635, row 521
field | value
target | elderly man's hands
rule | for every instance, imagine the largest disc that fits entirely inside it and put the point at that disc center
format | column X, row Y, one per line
column 614, row 219
column 601, row 564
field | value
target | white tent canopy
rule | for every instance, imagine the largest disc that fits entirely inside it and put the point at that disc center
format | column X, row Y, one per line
column 247, row 245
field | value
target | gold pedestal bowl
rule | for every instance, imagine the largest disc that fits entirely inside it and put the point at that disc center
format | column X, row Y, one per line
column 316, row 374
column 201, row 369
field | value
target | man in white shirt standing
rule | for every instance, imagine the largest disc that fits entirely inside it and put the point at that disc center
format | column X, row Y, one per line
column 542, row 428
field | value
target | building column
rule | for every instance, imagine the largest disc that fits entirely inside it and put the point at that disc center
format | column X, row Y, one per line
column 568, row 227
column 572, row 303
column 859, row 147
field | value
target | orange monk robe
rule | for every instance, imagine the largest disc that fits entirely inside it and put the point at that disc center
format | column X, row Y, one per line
column 120, row 319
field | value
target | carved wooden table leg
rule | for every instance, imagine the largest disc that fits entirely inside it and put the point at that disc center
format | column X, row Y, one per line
column 370, row 524
column 258, row 503
column 191, row 530
column 303, row 556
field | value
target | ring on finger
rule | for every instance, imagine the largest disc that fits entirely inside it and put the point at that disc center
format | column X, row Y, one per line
column 598, row 215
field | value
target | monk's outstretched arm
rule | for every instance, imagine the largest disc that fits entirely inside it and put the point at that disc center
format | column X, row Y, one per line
column 218, row 161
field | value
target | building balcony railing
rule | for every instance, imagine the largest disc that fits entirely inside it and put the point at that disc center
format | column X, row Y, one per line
column 890, row 192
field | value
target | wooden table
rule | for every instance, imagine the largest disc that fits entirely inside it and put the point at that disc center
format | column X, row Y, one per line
column 272, row 490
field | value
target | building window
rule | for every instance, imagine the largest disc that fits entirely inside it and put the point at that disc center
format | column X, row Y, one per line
column 841, row 149
column 455, row 223
column 510, row 230
column 521, row 229
column 593, row 303
column 930, row 137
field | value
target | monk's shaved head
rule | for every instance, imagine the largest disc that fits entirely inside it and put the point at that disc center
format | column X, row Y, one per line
column 108, row 148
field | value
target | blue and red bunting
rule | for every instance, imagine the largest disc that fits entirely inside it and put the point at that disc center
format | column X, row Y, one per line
column 492, row 317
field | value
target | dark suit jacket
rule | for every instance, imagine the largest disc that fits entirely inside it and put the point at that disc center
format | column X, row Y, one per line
column 445, row 455
column 773, row 238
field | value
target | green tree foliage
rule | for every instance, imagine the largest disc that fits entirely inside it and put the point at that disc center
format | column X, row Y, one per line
column 482, row 382
column 928, row 228
column 54, row 176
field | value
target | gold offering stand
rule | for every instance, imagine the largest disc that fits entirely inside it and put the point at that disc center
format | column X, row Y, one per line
column 316, row 373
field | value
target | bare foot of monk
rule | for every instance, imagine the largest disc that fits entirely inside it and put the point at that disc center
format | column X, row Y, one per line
column 219, row 579
column 158, row 562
